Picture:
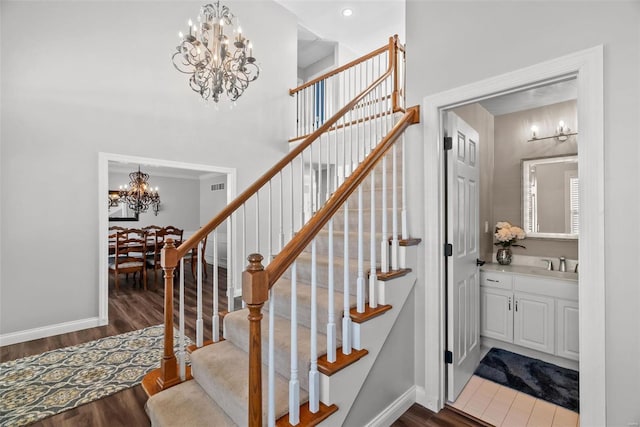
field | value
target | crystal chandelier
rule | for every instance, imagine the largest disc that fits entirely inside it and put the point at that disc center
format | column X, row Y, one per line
column 205, row 54
column 138, row 194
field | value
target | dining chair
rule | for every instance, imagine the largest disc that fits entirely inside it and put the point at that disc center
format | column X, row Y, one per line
column 127, row 260
column 175, row 233
column 193, row 259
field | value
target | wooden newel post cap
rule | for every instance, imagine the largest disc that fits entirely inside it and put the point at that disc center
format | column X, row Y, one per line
column 169, row 255
column 255, row 281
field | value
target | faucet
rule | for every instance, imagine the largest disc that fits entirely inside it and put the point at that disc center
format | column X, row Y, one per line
column 549, row 264
column 575, row 270
column 563, row 264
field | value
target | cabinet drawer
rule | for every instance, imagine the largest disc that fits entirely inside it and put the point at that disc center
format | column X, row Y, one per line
column 546, row 286
column 496, row 280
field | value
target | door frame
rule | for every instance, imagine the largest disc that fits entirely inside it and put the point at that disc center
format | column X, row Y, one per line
column 587, row 67
column 103, row 217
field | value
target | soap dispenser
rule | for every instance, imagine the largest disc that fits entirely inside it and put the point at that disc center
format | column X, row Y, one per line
column 563, row 264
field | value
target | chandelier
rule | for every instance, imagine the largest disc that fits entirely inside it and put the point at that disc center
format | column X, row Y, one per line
column 138, row 194
column 205, row 53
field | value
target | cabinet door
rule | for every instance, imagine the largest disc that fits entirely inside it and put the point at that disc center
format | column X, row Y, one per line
column 496, row 314
column 567, row 330
column 533, row 322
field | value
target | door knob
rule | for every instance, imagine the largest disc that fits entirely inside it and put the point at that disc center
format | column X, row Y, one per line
column 479, row 262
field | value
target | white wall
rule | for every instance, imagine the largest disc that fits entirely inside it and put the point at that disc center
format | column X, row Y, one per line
column 179, row 202
column 211, row 203
column 97, row 77
column 450, row 44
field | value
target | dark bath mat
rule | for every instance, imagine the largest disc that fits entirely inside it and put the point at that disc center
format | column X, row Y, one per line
column 532, row 376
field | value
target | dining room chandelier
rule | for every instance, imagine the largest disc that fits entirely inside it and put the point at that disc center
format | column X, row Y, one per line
column 206, row 53
column 138, row 194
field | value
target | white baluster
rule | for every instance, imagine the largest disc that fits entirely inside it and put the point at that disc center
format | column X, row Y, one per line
column 271, row 390
column 230, row 267
column 200, row 321
column 331, row 321
column 269, row 228
column 360, row 280
column 294, row 383
column 384, row 244
column 215, row 318
column 244, row 254
column 394, row 212
column 314, row 378
column 257, row 214
column 405, row 232
column 346, row 318
column 182, row 352
column 373, row 276
column 281, row 236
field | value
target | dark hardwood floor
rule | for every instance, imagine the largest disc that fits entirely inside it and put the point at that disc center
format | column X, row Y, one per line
column 133, row 308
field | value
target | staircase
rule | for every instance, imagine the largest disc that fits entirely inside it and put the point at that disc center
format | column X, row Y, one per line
column 329, row 224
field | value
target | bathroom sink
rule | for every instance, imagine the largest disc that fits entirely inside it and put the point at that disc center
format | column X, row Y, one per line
column 533, row 271
column 557, row 274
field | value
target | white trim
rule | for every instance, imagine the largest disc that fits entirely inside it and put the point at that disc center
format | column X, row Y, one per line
column 392, row 412
column 50, row 330
column 103, row 219
column 587, row 67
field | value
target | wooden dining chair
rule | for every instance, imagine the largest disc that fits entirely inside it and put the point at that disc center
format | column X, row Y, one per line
column 127, row 259
column 193, row 259
column 175, row 233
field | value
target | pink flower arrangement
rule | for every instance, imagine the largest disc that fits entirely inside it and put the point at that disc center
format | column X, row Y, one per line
column 507, row 235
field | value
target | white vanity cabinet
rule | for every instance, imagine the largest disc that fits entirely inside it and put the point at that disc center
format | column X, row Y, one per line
column 536, row 312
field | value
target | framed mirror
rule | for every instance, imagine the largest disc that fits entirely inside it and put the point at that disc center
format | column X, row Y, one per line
column 119, row 211
column 550, row 201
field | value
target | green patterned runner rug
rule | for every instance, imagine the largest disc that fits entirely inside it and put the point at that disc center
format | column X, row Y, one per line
column 36, row 387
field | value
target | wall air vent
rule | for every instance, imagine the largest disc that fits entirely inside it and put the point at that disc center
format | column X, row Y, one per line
column 217, row 187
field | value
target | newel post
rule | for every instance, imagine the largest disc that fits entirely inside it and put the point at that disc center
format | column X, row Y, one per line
column 168, row 366
column 255, row 291
column 393, row 57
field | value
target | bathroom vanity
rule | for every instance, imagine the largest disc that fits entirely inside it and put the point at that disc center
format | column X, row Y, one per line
column 531, row 308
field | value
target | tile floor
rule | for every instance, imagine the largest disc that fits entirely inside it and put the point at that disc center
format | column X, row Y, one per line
column 502, row 406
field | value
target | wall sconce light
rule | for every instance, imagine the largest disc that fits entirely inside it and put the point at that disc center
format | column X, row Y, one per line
column 562, row 133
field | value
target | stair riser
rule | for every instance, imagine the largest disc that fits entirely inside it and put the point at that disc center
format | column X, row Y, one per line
column 237, row 327
column 322, row 274
column 322, row 246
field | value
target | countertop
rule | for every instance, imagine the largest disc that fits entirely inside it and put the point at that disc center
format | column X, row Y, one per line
column 530, row 271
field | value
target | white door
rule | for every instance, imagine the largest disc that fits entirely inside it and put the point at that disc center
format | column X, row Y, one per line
column 463, row 284
column 533, row 322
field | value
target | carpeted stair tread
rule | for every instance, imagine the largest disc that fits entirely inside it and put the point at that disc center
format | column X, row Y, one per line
column 322, row 244
column 304, row 271
column 237, row 331
column 282, row 302
column 186, row 404
column 222, row 371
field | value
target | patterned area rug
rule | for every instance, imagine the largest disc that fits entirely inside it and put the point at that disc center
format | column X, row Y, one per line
column 532, row 376
column 36, row 387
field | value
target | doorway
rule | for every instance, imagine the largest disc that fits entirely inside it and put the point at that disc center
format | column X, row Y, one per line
column 106, row 161
column 586, row 67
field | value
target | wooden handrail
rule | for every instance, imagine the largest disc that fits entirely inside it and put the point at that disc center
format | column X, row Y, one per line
column 340, row 69
column 306, row 234
column 199, row 235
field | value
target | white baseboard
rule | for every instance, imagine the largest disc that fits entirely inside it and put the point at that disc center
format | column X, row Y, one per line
column 395, row 410
column 47, row 331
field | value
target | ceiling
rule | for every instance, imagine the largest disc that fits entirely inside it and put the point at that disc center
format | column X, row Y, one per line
column 532, row 98
column 370, row 26
column 312, row 48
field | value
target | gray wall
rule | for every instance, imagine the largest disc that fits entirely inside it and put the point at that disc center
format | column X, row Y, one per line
column 97, row 77
column 512, row 132
column 179, row 202
column 391, row 374
column 455, row 43
column 482, row 121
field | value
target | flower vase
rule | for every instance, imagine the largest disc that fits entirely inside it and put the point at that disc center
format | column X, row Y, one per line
column 504, row 256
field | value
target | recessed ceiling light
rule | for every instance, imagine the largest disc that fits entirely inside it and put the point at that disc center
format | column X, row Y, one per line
column 347, row 12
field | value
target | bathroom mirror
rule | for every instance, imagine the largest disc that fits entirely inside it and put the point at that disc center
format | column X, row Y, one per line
column 550, row 201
